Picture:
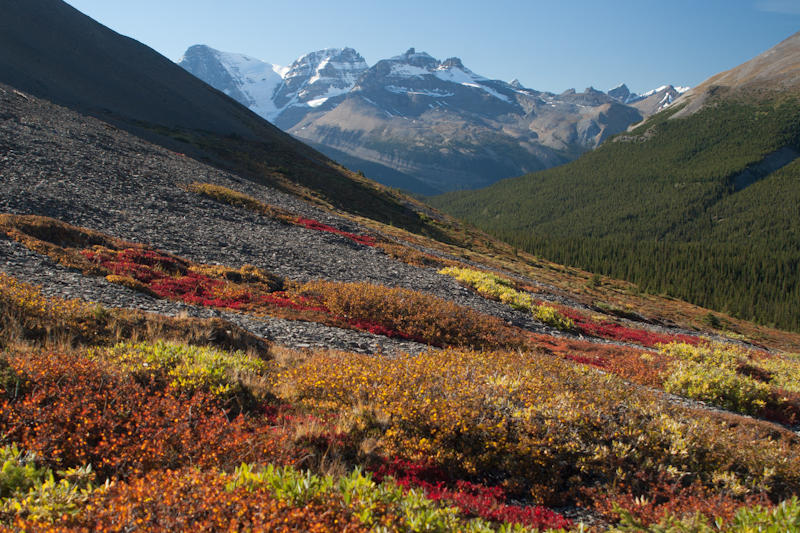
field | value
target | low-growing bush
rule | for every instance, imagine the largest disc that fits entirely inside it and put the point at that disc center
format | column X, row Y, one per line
column 618, row 332
column 18, row 472
column 238, row 199
column 185, row 367
column 495, row 287
column 780, row 518
column 412, row 314
column 412, row 256
column 470, row 498
column 718, row 385
column 732, row 377
column 541, row 427
column 30, row 491
column 235, row 198
column 26, row 313
column 84, row 411
column 310, row 223
column 194, row 500
column 375, row 502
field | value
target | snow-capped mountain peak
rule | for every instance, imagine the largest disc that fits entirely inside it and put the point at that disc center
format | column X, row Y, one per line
column 420, row 74
column 436, row 123
column 651, row 101
column 251, row 81
column 316, row 77
column 270, row 89
column 663, row 96
column 621, row 93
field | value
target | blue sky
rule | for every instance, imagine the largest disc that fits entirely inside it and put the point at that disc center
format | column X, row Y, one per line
column 548, row 45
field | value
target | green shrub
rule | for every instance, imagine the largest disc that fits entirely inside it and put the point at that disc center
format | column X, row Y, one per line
column 19, row 472
column 719, row 386
column 34, row 492
column 709, row 373
column 782, row 518
column 186, row 367
column 368, row 500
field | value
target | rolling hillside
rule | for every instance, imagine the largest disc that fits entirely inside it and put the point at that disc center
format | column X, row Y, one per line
column 700, row 201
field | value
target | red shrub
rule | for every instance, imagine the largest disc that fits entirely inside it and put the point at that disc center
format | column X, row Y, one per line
column 315, row 225
column 471, row 498
column 618, row 332
column 654, row 498
column 379, row 329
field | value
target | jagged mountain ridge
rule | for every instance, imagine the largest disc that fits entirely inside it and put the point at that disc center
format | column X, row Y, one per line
column 437, row 123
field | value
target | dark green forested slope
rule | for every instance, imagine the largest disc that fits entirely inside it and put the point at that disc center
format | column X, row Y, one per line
column 658, row 206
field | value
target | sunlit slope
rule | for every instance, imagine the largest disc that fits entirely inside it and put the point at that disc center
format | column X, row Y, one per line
column 667, row 206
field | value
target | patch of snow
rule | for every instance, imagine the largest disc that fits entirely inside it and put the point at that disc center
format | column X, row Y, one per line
column 467, row 78
column 457, row 75
column 682, row 89
column 404, row 70
column 327, row 67
column 653, row 91
column 405, row 90
column 316, row 76
column 257, row 79
column 317, row 102
column 330, row 93
column 411, row 53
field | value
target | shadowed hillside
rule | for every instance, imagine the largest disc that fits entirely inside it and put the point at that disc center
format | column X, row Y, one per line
column 51, row 50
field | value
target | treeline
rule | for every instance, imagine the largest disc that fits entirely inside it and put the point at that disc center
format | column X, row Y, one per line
column 657, row 206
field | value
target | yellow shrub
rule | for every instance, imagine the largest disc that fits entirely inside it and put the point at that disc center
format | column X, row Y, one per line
column 186, row 367
column 709, row 373
column 238, row 199
column 129, row 282
column 495, row 287
column 718, row 385
column 27, row 300
column 538, row 422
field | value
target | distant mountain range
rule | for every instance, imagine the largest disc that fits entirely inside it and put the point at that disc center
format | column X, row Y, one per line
column 415, row 122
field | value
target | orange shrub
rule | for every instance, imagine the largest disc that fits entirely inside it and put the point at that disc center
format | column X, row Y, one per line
column 413, row 313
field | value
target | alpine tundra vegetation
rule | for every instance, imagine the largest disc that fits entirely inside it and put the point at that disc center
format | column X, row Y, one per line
column 206, row 325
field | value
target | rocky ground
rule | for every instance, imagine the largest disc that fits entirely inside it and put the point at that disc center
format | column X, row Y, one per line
column 57, row 163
